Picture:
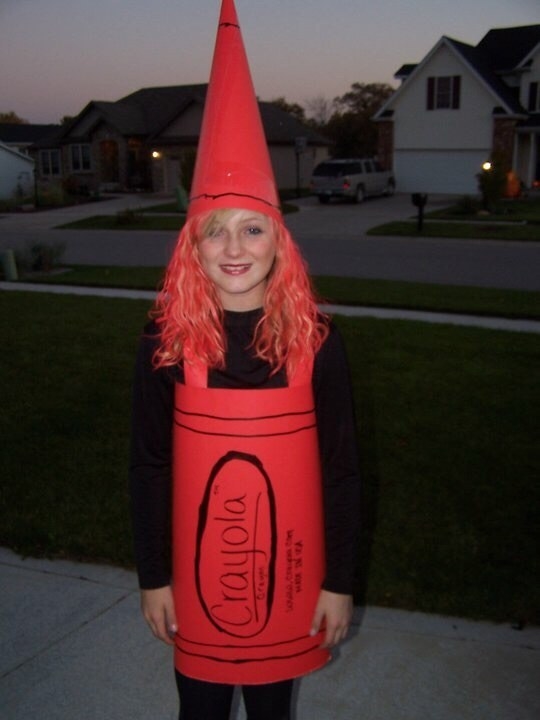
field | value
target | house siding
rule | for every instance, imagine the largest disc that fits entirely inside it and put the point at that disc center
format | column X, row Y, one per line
column 532, row 75
column 187, row 125
column 467, row 128
column 503, row 141
column 385, row 144
column 283, row 160
column 16, row 173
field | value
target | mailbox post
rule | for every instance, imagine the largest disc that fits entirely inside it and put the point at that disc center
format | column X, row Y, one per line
column 419, row 200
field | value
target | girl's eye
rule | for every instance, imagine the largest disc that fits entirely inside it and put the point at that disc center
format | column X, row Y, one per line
column 214, row 232
column 254, row 230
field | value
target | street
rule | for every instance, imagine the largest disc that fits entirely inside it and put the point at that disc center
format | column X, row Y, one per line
column 332, row 238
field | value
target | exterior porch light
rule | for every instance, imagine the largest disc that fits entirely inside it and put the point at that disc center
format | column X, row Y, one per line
column 156, row 154
column 486, row 166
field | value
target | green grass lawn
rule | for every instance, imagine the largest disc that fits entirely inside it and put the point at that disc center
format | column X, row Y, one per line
column 156, row 217
column 133, row 221
column 520, row 209
column 460, row 230
column 511, row 220
column 447, row 421
column 342, row 290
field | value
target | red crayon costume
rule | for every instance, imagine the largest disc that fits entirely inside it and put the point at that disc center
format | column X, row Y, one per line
column 244, row 468
column 248, row 509
column 247, row 520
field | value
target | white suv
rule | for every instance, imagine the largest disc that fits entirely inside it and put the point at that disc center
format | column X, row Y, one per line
column 354, row 178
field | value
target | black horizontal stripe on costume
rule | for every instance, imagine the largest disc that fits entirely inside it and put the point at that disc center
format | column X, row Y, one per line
column 247, row 435
column 209, row 196
column 242, row 419
column 246, row 661
column 243, row 646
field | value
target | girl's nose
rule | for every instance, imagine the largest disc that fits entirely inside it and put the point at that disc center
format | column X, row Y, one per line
column 233, row 246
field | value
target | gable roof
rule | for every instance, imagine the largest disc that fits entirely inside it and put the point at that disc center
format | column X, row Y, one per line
column 25, row 133
column 158, row 106
column 500, row 51
column 13, row 151
column 148, row 112
column 404, row 71
column 505, row 48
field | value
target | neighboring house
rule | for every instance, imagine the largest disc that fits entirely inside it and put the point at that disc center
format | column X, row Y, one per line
column 141, row 142
column 16, row 173
column 22, row 136
column 459, row 106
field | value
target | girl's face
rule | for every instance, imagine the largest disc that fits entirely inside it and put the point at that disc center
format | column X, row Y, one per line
column 237, row 251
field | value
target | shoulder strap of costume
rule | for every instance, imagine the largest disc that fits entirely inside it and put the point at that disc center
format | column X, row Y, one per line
column 303, row 373
column 195, row 371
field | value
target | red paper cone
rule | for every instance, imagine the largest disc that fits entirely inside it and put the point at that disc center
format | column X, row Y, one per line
column 233, row 168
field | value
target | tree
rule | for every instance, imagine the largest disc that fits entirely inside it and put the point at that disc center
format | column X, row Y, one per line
column 319, row 110
column 292, row 108
column 364, row 98
column 351, row 127
column 12, row 118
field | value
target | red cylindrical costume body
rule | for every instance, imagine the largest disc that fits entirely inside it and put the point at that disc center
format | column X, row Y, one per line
column 248, row 549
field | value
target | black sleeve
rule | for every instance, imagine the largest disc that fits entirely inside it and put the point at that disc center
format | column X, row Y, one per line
column 150, row 466
column 339, row 459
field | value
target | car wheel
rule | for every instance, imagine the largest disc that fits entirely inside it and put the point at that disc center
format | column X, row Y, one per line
column 360, row 195
column 324, row 199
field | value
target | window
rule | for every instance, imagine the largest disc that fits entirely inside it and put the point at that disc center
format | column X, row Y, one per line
column 49, row 162
column 533, row 97
column 443, row 93
column 80, row 158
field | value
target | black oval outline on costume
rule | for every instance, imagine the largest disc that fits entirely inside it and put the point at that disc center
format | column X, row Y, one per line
column 203, row 519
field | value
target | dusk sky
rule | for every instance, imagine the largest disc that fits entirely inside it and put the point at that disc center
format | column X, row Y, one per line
column 57, row 55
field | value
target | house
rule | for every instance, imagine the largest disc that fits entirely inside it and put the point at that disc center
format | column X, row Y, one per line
column 144, row 141
column 16, row 173
column 460, row 106
column 22, row 136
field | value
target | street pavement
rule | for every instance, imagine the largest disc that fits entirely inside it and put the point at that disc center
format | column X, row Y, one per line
column 74, row 645
column 332, row 238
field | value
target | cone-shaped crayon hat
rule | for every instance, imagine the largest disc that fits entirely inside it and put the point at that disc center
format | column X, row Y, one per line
column 233, row 168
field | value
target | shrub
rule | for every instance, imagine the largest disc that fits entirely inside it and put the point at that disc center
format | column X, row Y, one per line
column 466, row 205
column 39, row 257
column 492, row 183
column 129, row 217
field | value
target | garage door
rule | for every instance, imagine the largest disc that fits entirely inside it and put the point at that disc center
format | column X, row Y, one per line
column 438, row 172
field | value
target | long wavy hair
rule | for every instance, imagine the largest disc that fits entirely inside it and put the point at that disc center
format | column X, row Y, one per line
column 189, row 313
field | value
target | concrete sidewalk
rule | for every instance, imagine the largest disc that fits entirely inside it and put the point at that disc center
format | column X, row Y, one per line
column 75, row 647
column 491, row 323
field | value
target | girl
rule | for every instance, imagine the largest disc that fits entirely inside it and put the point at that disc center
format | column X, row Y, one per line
column 243, row 473
column 237, row 295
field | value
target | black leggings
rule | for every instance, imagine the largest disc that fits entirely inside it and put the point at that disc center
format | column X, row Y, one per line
column 211, row 701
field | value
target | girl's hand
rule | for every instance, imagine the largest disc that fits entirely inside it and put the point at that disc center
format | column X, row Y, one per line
column 336, row 609
column 158, row 610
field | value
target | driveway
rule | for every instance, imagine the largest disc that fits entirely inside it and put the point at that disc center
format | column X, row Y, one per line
column 333, row 241
column 332, row 238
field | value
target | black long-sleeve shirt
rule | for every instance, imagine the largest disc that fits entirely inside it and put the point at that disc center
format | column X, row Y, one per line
column 151, row 446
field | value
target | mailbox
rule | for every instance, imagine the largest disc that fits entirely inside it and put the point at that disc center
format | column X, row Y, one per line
column 419, row 199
